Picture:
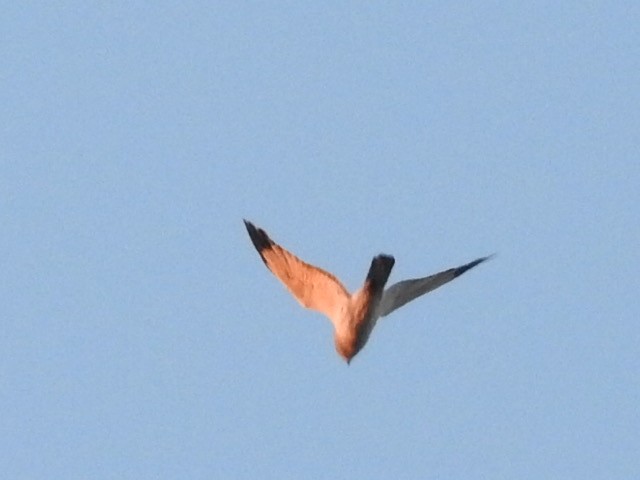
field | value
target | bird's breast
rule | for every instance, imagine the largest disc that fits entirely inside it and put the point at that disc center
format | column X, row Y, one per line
column 356, row 326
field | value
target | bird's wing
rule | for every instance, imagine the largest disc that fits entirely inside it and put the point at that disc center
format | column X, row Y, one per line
column 403, row 292
column 313, row 287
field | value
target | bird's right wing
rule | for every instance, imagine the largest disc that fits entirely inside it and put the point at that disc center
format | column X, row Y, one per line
column 313, row 287
column 403, row 292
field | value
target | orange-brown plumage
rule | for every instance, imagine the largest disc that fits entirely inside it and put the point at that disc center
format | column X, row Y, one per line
column 353, row 315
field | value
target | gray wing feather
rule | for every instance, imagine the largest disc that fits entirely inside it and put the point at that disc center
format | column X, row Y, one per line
column 403, row 292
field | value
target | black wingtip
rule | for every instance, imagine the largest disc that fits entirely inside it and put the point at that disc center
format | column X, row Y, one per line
column 380, row 270
column 259, row 237
column 465, row 268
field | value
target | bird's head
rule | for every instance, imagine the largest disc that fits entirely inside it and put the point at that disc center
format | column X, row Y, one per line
column 345, row 349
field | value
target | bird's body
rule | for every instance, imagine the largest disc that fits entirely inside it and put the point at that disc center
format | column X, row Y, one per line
column 353, row 315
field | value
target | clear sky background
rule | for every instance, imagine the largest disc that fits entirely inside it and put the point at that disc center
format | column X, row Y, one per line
column 142, row 337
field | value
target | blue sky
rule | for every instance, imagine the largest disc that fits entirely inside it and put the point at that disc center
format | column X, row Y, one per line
column 143, row 338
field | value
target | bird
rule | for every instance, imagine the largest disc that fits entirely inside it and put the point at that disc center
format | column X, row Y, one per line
column 353, row 315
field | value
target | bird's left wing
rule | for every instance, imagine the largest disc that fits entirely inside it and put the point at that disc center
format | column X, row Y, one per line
column 313, row 287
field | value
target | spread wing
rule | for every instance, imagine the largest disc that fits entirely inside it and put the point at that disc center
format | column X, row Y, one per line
column 403, row 292
column 313, row 287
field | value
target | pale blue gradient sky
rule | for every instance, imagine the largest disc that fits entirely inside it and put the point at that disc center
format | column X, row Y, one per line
column 143, row 338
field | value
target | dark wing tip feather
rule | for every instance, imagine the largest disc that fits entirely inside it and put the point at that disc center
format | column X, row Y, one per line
column 464, row 268
column 380, row 270
column 259, row 238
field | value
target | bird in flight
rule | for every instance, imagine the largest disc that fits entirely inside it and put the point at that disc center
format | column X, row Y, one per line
column 353, row 315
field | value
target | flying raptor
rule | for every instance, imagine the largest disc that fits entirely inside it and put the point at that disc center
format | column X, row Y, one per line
column 353, row 315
